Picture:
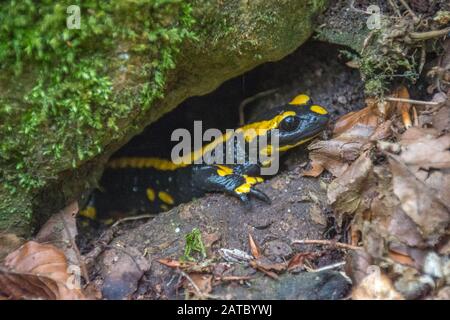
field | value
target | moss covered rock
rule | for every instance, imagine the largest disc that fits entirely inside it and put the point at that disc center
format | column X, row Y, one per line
column 71, row 97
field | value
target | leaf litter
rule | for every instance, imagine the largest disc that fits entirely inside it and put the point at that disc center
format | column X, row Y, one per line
column 391, row 174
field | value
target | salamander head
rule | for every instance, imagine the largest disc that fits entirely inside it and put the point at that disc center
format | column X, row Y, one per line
column 297, row 122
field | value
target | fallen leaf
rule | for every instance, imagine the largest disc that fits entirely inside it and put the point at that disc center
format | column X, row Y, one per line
column 254, row 248
column 356, row 266
column 441, row 119
column 39, row 271
column 203, row 283
column 8, row 243
column 298, row 260
column 61, row 230
column 419, row 202
column 376, row 286
column 316, row 215
column 401, row 258
column 424, row 148
column 346, row 192
column 404, row 107
column 352, row 135
column 402, row 228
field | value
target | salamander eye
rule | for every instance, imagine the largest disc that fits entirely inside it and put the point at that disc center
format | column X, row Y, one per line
column 289, row 123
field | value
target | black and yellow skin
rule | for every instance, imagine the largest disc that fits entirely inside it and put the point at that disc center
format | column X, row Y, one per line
column 135, row 185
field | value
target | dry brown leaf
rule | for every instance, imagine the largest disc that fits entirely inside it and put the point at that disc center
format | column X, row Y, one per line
column 351, row 136
column 419, row 202
column 202, row 281
column 404, row 107
column 356, row 265
column 376, row 286
column 254, row 248
column 264, row 269
column 424, row 148
column 298, row 260
column 441, row 119
column 8, row 243
column 38, row 271
column 61, row 230
column 401, row 258
column 316, row 215
column 187, row 266
column 402, row 228
column 171, row 263
column 346, row 192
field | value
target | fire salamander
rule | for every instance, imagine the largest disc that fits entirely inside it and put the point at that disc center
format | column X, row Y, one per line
column 140, row 184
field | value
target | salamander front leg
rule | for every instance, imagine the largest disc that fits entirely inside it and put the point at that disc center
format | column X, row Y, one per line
column 210, row 178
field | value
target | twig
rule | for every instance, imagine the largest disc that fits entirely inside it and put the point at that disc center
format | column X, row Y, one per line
column 99, row 246
column 328, row 243
column 403, row 2
column 352, row 6
column 75, row 249
column 417, row 102
column 395, row 7
column 416, row 118
column 142, row 216
column 196, row 288
column 234, row 278
column 419, row 36
column 103, row 242
column 423, row 58
column 328, row 267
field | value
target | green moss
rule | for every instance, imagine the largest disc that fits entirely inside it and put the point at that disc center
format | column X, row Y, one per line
column 69, row 108
column 194, row 243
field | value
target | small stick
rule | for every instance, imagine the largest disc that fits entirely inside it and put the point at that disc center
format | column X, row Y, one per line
column 328, row 243
column 418, row 102
column 75, row 249
column 196, row 288
column 234, row 278
column 416, row 118
column 329, row 267
column 428, row 34
column 423, row 57
column 395, row 7
column 142, row 216
column 403, row 2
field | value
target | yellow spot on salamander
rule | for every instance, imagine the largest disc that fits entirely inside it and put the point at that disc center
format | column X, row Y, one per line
column 142, row 162
column 224, row 170
column 300, row 100
column 151, row 194
column 318, row 109
column 89, row 212
column 108, row 221
column 165, row 197
column 243, row 188
column 164, row 207
column 253, row 180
